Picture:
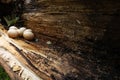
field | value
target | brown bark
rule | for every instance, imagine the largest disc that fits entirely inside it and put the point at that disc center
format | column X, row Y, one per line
column 75, row 29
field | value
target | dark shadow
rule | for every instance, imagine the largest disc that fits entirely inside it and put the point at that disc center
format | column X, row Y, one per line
column 9, row 9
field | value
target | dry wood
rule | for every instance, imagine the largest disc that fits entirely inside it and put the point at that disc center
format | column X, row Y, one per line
column 13, row 56
column 32, row 62
column 12, row 75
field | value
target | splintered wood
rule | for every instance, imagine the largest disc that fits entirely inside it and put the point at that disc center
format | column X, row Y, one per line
column 27, row 61
column 10, row 53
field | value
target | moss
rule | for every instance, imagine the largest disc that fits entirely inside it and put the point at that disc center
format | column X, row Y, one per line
column 3, row 74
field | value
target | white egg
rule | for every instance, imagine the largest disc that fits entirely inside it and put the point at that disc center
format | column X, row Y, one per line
column 13, row 27
column 12, row 33
column 28, row 30
column 21, row 30
column 28, row 35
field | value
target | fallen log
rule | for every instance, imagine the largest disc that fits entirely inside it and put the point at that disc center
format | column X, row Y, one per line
column 25, row 60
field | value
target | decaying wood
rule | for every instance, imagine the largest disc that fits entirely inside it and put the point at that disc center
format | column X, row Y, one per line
column 10, row 49
column 31, row 62
column 12, row 75
column 74, row 27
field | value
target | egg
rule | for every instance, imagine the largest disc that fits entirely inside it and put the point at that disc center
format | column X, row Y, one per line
column 28, row 35
column 28, row 30
column 21, row 30
column 12, row 33
column 13, row 27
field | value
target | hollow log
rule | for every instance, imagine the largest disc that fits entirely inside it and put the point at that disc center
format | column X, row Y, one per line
column 72, row 41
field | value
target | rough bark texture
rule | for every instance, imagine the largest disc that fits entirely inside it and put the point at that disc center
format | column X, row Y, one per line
column 84, row 36
column 70, row 21
column 89, row 29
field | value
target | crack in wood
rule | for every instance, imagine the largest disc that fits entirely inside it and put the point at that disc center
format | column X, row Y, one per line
column 23, row 55
column 29, row 61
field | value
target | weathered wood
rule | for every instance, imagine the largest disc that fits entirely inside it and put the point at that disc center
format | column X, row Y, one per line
column 12, row 75
column 34, row 60
column 74, row 28
column 71, row 22
column 11, row 53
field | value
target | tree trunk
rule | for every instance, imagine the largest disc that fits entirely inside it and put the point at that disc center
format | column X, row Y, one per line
column 71, row 41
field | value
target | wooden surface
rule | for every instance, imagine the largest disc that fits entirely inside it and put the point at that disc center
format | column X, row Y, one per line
column 78, row 31
column 11, row 74
column 71, row 22
column 33, row 59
